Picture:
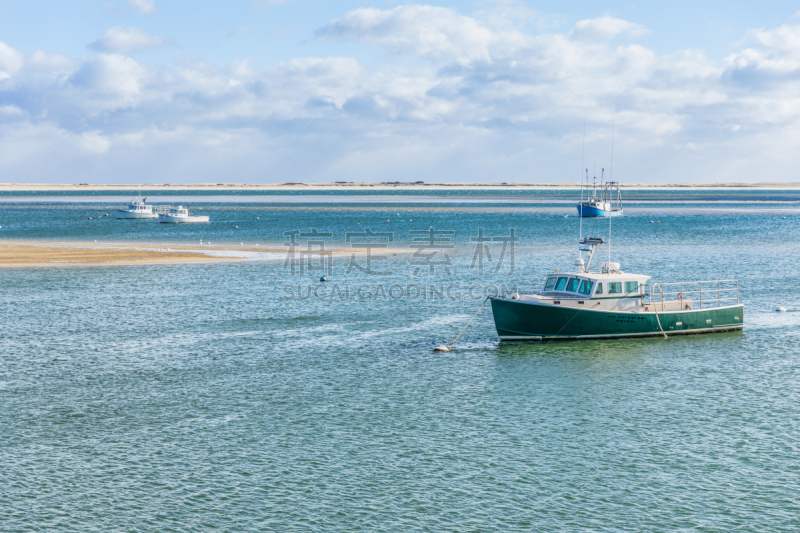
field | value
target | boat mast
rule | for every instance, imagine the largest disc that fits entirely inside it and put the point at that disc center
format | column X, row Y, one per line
column 580, row 206
column 611, row 167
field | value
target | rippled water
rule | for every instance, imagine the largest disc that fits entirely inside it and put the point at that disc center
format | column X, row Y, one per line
column 201, row 397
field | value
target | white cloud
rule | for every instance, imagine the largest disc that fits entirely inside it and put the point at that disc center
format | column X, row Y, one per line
column 605, row 27
column 117, row 80
column 148, row 6
column 434, row 33
column 776, row 52
column 11, row 60
column 93, row 142
column 483, row 85
column 119, row 39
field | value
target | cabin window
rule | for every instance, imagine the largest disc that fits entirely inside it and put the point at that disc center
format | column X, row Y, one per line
column 599, row 289
column 586, row 287
column 562, row 282
column 572, row 286
column 631, row 286
column 549, row 285
column 615, row 287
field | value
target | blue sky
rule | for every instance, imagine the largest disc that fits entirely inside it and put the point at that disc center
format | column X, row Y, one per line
column 265, row 91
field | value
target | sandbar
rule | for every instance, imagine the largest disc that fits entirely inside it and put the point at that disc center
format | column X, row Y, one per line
column 65, row 254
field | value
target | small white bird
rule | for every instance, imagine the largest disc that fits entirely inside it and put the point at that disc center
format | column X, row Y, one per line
column 237, row 227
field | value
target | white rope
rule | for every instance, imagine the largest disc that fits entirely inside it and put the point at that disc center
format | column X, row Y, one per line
column 655, row 308
column 468, row 323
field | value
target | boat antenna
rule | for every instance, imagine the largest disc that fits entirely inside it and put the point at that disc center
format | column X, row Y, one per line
column 610, row 170
column 580, row 206
column 611, row 167
column 609, row 239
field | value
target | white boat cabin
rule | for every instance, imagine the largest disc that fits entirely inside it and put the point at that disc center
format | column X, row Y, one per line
column 139, row 207
column 590, row 285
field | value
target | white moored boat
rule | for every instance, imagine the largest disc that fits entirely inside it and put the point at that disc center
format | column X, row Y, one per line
column 180, row 215
column 137, row 210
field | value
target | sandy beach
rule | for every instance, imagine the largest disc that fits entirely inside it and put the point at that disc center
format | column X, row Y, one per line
column 62, row 254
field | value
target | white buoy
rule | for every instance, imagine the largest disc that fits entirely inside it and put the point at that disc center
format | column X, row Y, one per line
column 441, row 348
column 237, row 227
column 781, row 309
column 258, row 218
column 652, row 222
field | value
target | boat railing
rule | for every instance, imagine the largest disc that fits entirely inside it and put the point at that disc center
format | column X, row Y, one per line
column 161, row 209
column 691, row 294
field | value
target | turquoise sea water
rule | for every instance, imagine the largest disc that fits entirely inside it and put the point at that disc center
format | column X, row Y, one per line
column 243, row 397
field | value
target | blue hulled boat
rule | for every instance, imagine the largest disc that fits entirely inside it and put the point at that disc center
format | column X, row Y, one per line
column 608, row 203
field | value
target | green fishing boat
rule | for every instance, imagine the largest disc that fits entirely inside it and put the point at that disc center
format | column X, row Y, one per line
column 610, row 303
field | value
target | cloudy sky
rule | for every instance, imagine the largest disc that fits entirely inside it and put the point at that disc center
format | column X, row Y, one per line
column 266, row 91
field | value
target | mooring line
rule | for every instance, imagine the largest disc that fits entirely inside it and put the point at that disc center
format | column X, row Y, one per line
column 447, row 348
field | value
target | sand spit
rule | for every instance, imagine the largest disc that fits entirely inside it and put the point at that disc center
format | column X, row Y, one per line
column 41, row 254
column 62, row 254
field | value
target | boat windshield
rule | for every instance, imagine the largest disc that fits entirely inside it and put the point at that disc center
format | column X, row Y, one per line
column 549, row 284
column 586, row 287
column 572, row 286
column 562, row 282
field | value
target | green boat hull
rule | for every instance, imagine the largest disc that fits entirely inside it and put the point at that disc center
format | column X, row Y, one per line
column 520, row 320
